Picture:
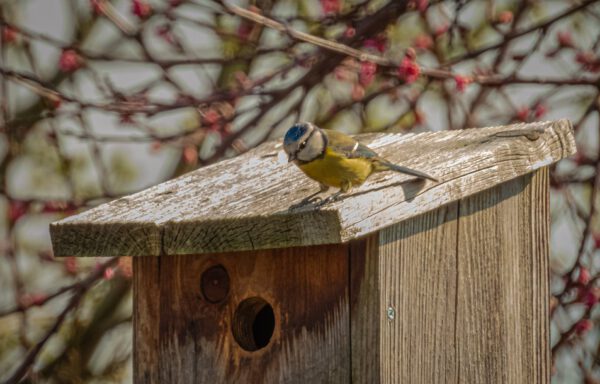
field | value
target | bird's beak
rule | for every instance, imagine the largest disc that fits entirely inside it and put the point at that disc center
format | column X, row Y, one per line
column 291, row 157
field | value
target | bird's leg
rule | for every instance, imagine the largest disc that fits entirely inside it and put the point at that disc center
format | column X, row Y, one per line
column 314, row 197
column 336, row 196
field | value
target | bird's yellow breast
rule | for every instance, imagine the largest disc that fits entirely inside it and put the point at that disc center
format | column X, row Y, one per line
column 334, row 169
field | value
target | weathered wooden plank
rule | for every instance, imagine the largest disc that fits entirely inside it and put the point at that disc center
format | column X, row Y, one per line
column 307, row 289
column 502, row 301
column 365, row 310
column 459, row 294
column 417, row 269
column 96, row 238
column 146, row 351
column 249, row 202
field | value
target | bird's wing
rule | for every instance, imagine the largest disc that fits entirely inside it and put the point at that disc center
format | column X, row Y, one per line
column 342, row 143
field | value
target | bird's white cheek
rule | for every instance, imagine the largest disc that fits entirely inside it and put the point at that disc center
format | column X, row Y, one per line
column 305, row 155
column 309, row 153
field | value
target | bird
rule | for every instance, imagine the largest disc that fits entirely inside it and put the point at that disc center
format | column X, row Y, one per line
column 334, row 159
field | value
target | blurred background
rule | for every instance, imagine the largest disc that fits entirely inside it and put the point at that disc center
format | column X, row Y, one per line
column 102, row 98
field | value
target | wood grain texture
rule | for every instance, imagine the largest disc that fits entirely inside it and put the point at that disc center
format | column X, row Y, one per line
column 365, row 309
column 417, row 266
column 249, row 202
column 469, row 287
column 502, row 300
column 307, row 289
column 146, row 293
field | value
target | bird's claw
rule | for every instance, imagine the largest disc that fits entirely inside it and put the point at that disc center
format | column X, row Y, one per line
column 312, row 200
column 316, row 201
column 329, row 199
column 309, row 200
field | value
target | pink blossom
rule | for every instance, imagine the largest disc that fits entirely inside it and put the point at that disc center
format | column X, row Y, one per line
column 244, row 30
column 109, row 273
column 596, row 237
column 349, row 32
column 58, row 206
column 584, row 276
column 590, row 299
column 462, row 82
column 341, row 73
column 583, row 326
column 9, row 34
column 367, row 73
column 156, row 146
column 190, row 155
column 423, row 41
column 442, row 29
column 379, row 43
column 505, row 17
column 565, row 39
column 69, row 61
column 71, row 265
column 211, row 116
column 141, row 8
column 409, row 70
column 38, row 298
column 580, row 158
column 165, row 33
column 589, row 60
column 125, row 267
column 331, row 6
column 523, row 113
column 97, row 6
column 29, row 299
column 540, row 110
column 420, row 5
column 419, row 117
column 55, row 101
column 16, row 210
column 358, row 92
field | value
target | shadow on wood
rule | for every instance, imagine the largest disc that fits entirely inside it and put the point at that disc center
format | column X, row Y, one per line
column 506, row 191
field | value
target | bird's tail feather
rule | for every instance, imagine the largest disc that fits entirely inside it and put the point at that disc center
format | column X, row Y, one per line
column 384, row 166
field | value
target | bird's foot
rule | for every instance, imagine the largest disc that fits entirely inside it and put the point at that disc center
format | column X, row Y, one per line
column 330, row 199
column 313, row 199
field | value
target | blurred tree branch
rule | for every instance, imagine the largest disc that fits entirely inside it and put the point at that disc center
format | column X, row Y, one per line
column 351, row 65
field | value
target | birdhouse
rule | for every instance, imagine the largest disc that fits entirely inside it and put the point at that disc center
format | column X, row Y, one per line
column 238, row 279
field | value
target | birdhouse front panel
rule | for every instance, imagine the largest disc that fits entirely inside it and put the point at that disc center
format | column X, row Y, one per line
column 272, row 316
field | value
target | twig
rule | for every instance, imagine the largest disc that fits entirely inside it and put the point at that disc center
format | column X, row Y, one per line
column 80, row 290
column 513, row 35
column 329, row 45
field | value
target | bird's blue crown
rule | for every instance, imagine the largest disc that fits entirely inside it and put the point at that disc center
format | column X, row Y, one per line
column 294, row 133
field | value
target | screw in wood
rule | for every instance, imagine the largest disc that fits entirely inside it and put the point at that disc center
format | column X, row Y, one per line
column 391, row 313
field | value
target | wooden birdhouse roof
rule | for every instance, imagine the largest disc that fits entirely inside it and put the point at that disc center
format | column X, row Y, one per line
column 252, row 201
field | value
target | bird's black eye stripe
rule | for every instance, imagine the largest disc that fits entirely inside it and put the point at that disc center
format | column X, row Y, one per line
column 303, row 144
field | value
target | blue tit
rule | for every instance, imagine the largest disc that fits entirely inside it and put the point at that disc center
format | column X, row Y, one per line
column 335, row 159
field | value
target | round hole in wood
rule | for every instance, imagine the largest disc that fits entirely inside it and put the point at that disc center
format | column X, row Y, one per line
column 253, row 324
column 214, row 284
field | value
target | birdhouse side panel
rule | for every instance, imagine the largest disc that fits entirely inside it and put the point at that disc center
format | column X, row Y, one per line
column 462, row 291
column 502, row 312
